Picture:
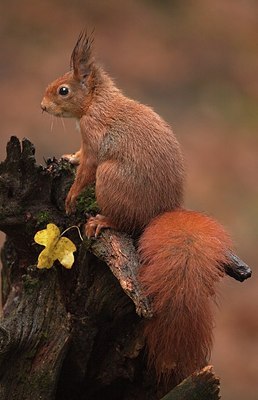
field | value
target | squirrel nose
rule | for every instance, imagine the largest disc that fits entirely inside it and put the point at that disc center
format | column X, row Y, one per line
column 43, row 106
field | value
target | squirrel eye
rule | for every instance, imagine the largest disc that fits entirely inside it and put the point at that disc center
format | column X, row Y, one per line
column 63, row 91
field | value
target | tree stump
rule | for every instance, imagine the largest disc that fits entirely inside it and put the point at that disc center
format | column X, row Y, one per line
column 72, row 334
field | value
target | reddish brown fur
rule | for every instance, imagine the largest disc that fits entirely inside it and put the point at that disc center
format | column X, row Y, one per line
column 81, row 57
column 182, row 253
column 126, row 147
column 137, row 164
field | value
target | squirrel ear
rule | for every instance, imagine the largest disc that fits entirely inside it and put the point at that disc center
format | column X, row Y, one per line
column 81, row 58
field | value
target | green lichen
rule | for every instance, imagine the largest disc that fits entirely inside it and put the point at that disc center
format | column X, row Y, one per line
column 67, row 166
column 44, row 336
column 39, row 383
column 10, row 211
column 86, row 202
column 30, row 284
column 30, row 354
column 43, row 217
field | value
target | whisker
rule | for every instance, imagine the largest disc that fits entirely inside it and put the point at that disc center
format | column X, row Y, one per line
column 52, row 123
column 63, row 124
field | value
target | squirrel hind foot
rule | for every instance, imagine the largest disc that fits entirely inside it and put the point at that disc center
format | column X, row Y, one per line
column 94, row 225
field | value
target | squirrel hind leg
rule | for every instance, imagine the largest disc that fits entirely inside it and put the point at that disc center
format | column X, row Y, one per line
column 95, row 225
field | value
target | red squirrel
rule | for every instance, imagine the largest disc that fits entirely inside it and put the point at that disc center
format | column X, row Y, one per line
column 132, row 155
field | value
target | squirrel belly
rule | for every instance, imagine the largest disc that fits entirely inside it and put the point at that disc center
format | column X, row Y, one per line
column 181, row 255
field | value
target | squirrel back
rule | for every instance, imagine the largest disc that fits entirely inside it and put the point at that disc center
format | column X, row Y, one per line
column 141, row 170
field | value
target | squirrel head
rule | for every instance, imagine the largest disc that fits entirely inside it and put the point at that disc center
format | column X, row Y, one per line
column 70, row 95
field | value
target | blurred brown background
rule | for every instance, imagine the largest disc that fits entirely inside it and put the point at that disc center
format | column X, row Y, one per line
column 196, row 63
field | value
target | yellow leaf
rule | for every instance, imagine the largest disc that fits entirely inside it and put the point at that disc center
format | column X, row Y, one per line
column 64, row 252
column 56, row 248
column 45, row 259
column 47, row 236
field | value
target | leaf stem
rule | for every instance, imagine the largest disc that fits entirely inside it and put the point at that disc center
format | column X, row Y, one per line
column 71, row 227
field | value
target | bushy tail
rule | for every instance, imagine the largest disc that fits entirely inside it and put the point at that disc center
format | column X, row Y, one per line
column 182, row 253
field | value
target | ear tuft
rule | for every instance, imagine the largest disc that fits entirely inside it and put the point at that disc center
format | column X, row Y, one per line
column 81, row 57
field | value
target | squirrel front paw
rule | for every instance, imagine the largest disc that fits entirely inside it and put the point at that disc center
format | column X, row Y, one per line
column 74, row 158
column 70, row 202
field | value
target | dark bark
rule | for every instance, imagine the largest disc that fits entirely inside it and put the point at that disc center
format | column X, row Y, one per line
column 237, row 268
column 67, row 334
column 203, row 385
